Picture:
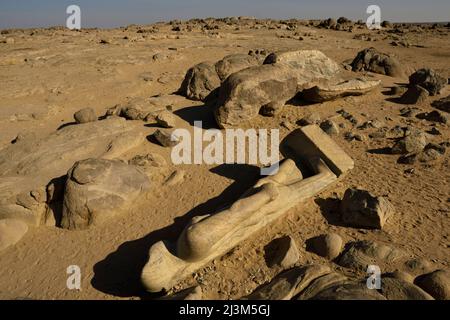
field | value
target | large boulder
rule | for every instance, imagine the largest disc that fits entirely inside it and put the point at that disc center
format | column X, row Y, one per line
column 244, row 93
column 429, row 80
column 32, row 169
column 371, row 60
column 200, row 81
column 359, row 208
column 234, row 63
column 271, row 85
column 98, row 189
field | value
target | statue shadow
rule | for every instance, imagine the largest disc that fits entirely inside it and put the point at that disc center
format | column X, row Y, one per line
column 119, row 273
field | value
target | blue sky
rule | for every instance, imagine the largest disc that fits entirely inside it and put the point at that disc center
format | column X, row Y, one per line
column 113, row 13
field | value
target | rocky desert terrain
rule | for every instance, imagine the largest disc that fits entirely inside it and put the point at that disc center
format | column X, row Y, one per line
column 87, row 179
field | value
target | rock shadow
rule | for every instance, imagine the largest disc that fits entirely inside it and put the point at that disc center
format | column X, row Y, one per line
column 119, row 273
column 329, row 208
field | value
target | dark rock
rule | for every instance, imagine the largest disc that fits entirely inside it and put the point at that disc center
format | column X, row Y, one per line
column 372, row 60
column 414, row 95
column 330, row 127
column 428, row 79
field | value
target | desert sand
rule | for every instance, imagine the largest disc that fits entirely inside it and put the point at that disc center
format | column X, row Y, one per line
column 49, row 74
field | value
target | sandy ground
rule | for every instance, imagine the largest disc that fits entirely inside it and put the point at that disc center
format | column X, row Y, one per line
column 47, row 75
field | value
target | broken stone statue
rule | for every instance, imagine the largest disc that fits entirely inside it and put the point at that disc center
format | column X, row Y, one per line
column 312, row 162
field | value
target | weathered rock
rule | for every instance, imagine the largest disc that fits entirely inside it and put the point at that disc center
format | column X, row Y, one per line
column 145, row 108
column 289, row 283
column 327, row 245
column 372, row 60
column 11, row 231
column 349, row 291
column 166, row 119
column 234, row 63
column 359, row 208
column 148, row 160
column 414, row 95
column 310, row 119
column 414, row 142
column 330, row 127
column 166, row 138
column 98, row 189
column 442, row 104
column 200, row 81
column 307, row 64
column 360, row 254
column 282, row 75
column 396, row 289
column 85, row 115
column 401, row 275
column 429, row 80
column 29, row 165
column 321, row 284
column 354, row 87
column 436, row 283
column 282, row 252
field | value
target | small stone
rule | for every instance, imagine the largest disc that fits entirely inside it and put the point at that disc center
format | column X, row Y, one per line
column 166, row 119
column 361, row 209
column 436, row 283
column 312, row 118
column 282, row 252
column 85, row 115
column 330, row 127
column 166, row 138
column 442, row 104
column 328, row 245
